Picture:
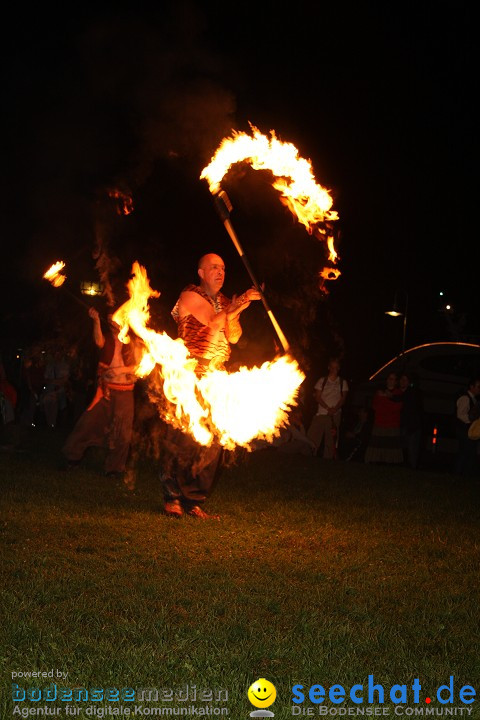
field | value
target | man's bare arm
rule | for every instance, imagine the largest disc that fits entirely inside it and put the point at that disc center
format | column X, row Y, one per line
column 233, row 330
column 98, row 336
column 191, row 303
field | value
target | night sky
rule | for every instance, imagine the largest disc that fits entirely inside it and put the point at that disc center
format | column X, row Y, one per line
column 378, row 97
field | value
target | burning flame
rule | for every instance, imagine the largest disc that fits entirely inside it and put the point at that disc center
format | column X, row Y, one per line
column 294, row 178
column 251, row 403
column 230, row 408
column 54, row 274
column 124, row 201
column 333, row 256
column 329, row 273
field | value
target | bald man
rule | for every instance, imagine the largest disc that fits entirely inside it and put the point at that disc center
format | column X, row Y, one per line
column 208, row 322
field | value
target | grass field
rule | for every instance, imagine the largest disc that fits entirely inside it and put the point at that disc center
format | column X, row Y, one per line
column 318, row 573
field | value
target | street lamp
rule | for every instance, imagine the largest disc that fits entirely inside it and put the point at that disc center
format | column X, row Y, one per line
column 395, row 312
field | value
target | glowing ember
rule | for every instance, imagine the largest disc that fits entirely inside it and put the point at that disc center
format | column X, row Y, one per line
column 329, row 273
column 333, row 253
column 231, row 408
column 54, row 274
column 124, row 201
column 294, row 179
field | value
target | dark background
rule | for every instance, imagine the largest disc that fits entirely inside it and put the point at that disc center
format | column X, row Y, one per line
column 378, row 96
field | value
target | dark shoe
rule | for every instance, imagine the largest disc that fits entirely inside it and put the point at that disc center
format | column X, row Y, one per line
column 198, row 512
column 173, row 508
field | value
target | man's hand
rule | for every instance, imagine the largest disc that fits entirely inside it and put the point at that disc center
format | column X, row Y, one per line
column 252, row 294
column 93, row 314
column 240, row 303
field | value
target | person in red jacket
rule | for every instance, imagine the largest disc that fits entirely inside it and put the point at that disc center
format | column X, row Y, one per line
column 8, row 398
column 385, row 444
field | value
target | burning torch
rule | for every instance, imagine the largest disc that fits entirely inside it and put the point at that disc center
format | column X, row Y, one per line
column 55, row 277
column 294, row 180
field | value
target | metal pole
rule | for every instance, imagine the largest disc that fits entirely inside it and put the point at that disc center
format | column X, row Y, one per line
column 405, row 322
column 223, row 205
column 83, row 304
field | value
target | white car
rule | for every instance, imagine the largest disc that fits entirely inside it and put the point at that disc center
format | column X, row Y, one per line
column 441, row 371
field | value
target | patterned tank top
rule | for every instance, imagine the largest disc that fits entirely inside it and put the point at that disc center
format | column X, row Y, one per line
column 211, row 348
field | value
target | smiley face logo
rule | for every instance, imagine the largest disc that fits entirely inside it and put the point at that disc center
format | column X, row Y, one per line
column 262, row 693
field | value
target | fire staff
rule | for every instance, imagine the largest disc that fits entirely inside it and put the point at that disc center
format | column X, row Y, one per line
column 208, row 322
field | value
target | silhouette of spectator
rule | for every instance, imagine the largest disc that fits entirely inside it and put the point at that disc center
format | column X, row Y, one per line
column 385, row 440
column 9, row 396
column 8, row 404
column 467, row 410
column 411, row 419
column 33, row 371
column 56, row 374
column 330, row 394
column 356, row 438
column 81, row 386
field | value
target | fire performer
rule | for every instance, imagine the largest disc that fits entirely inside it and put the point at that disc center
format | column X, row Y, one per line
column 108, row 420
column 208, row 322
